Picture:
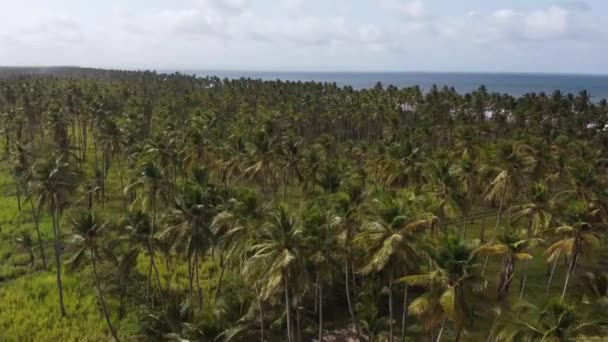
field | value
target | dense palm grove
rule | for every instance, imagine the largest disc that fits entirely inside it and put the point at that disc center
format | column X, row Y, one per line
column 240, row 210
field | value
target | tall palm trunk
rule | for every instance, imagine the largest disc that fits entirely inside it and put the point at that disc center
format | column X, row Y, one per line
column 440, row 332
column 404, row 313
column 390, row 306
column 104, row 307
column 506, row 276
column 122, row 186
column 151, row 268
column 261, row 309
column 18, row 195
column 38, row 234
column 553, row 270
column 320, row 285
column 190, row 277
column 524, row 280
column 573, row 260
column 287, row 309
column 199, row 289
column 222, row 272
column 150, row 253
column 348, row 299
column 56, row 236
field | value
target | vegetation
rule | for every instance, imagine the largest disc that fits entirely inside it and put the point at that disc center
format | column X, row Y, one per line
column 137, row 205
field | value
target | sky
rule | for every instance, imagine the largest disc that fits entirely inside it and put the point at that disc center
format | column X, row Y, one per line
column 567, row 36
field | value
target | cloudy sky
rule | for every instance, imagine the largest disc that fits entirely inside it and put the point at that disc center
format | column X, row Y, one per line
column 567, row 36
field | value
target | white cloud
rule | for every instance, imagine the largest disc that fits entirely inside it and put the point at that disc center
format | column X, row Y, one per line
column 410, row 10
column 413, row 10
column 294, row 5
column 508, row 25
column 549, row 23
column 228, row 6
column 47, row 30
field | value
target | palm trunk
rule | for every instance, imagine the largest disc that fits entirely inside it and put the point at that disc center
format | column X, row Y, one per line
column 573, row 260
column 553, row 270
column 502, row 200
column 199, row 289
column 219, row 281
column 122, row 186
column 156, row 273
column 298, row 330
column 390, row 306
column 190, row 277
column 482, row 234
column 506, row 276
column 348, row 299
column 320, row 285
column 150, row 253
column 440, row 332
column 56, row 235
column 260, row 308
column 32, row 258
column 287, row 310
column 524, row 280
column 102, row 300
column 404, row 313
column 18, row 195
column 39, row 235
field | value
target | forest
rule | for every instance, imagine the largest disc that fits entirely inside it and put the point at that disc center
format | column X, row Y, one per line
column 138, row 206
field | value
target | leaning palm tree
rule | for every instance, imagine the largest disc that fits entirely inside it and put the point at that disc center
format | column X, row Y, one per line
column 389, row 241
column 276, row 257
column 86, row 237
column 52, row 182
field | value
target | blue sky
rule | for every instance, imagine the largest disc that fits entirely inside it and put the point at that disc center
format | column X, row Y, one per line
column 300, row 35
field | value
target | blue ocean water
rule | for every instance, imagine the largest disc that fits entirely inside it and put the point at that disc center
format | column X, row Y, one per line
column 515, row 84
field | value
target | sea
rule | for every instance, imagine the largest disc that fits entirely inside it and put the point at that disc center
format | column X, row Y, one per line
column 515, row 84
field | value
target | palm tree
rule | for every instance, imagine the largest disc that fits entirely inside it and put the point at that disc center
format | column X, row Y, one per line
column 508, row 167
column 86, row 238
column 451, row 287
column 276, row 257
column 537, row 211
column 137, row 228
column 575, row 237
column 23, row 170
column 52, row 182
column 389, row 240
column 346, row 218
column 512, row 247
column 190, row 229
column 154, row 186
column 555, row 322
column 322, row 245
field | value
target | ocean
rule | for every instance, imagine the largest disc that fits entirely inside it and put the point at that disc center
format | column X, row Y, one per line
column 515, row 84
